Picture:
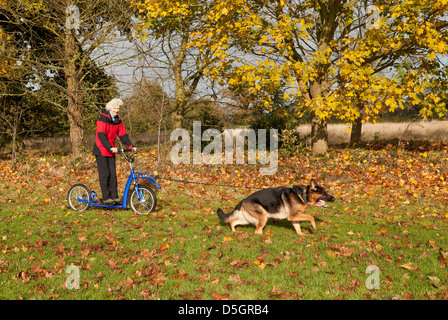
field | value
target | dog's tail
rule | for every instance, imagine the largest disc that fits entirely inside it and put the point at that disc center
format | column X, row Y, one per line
column 224, row 216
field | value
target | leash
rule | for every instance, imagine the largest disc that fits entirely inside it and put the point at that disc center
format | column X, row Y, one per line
column 201, row 183
column 205, row 183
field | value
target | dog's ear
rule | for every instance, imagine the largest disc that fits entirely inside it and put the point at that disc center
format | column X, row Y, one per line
column 313, row 184
column 300, row 190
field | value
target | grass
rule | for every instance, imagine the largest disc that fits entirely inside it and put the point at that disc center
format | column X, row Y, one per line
column 387, row 214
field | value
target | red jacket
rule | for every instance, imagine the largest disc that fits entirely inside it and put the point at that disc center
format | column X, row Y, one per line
column 106, row 133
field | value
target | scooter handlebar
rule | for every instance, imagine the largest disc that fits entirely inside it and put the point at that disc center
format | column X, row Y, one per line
column 126, row 150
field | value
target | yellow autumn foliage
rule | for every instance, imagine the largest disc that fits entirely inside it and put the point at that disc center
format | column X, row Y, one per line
column 325, row 61
column 328, row 76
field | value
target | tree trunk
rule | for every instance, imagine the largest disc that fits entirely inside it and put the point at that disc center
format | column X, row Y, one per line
column 74, row 95
column 355, row 136
column 177, row 118
column 76, row 126
column 14, row 141
column 319, row 135
column 185, row 86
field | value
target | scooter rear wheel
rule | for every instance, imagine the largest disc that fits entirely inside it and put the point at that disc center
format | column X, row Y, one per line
column 76, row 192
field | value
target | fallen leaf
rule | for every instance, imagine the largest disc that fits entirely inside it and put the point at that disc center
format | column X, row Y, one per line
column 128, row 282
column 235, row 278
column 82, row 237
column 409, row 266
column 331, row 253
column 218, row 296
column 382, row 231
column 434, row 281
column 22, row 275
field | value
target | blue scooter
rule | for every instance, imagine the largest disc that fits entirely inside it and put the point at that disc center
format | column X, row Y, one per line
column 141, row 198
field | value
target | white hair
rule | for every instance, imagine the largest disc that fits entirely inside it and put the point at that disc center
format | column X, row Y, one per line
column 114, row 102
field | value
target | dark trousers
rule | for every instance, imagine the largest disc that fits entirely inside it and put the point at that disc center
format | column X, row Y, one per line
column 108, row 176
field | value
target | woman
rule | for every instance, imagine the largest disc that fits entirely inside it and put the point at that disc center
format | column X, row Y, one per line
column 108, row 127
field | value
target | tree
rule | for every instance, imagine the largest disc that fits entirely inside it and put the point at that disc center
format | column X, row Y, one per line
column 148, row 109
column 11, row 115
column 171, row 25
column 328, row 56
column 12, row 111
column 58, row 45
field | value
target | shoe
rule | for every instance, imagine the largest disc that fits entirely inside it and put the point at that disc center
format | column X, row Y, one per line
column 116, row 200
column 109, row 202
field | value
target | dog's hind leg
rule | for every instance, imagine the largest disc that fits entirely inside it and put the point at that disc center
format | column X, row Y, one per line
column 239, row 217
column 256, row 215
column 233, row 224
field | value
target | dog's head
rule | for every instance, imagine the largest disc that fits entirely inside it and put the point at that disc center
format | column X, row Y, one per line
column 317, row 195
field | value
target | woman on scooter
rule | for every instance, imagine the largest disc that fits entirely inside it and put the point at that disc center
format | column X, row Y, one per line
column 108, row 127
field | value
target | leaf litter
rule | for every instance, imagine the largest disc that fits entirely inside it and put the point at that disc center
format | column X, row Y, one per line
column 390, row 212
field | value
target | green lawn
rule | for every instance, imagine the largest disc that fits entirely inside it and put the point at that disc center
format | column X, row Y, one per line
column 391, row 212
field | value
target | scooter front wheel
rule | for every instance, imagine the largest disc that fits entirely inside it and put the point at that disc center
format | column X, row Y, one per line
column 78, row 197
column 143, row 200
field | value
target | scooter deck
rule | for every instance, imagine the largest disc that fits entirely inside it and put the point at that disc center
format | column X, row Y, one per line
column 107, row 206
column 96, row 204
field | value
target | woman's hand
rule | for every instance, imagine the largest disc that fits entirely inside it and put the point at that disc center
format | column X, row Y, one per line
column 113, row 150
column 134, row 149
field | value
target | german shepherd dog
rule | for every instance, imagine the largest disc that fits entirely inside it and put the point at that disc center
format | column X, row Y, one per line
column 278, row 203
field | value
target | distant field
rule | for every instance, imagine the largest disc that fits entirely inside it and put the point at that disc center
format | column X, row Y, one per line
column 337, row 133
column 431, row 130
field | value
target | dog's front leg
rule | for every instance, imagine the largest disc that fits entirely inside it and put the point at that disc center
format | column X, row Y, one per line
column 262, row 220
column 296, row 225
column 296, row 219
column 312, row 222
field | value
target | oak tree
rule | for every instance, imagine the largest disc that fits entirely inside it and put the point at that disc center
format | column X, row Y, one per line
column 334, row 58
